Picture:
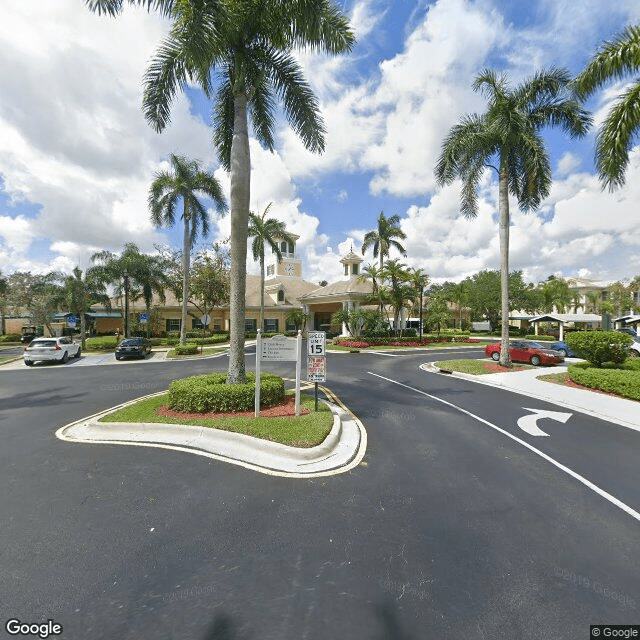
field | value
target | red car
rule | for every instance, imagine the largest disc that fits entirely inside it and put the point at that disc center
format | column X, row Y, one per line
column 525, row 351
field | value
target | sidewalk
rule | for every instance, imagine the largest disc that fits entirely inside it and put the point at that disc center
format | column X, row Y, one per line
column 610, row 408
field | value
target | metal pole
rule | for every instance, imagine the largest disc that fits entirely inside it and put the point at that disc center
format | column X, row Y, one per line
column 258, row 359
column 316, row 385
column 298, row 371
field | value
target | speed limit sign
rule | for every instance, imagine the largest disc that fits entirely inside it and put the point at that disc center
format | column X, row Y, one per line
column 316, row 343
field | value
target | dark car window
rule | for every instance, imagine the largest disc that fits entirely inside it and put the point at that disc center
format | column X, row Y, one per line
column 43, row 343
column 131, row 342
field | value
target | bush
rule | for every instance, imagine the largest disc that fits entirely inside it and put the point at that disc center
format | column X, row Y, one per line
column 541, row 338
column 599, row 347
column 188, row 349
column 102, row 343
column 211, row 393
column 10, row 337
column 624, row 382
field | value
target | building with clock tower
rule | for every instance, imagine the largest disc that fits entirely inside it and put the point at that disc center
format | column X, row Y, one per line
column 291, row 263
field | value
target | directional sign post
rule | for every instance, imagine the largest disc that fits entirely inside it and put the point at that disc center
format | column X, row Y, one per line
column 316, row 360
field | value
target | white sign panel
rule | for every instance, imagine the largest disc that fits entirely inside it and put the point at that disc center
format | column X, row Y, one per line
column 316, row 341
column 279, row 348
column 316, row 369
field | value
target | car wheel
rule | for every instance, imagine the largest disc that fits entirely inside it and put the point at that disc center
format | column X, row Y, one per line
column 28, row 363
column 633, row 354
column 535, row 360
column 495, row 356
column 78, row 353
column 562, row 352
column 117, row 357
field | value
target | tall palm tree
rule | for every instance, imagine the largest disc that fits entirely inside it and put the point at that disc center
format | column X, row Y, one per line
column 508, row 134
column 556, row 294
column 615, row 60
column 184, row 182
column 4, row 294
column 371, row 272
column 593, row 299
column 152, row 277
column 265, row 231
column 400, row 293
column 241, row 53
column 384, row 237
column 80, row 291
column 419, row 281
column 129, row 272
column 114, row 7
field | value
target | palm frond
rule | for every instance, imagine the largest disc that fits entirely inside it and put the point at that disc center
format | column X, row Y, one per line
column 223, row 119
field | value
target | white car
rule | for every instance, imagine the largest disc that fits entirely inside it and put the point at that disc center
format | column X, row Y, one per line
column 51, row 349
column 634, row 348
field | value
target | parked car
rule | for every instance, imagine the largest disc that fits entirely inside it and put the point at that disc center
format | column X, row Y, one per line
column 563, row 349
column 133, row 348
column 526, row 351
column 634, row 348
column 632, row 332
column 51, row 350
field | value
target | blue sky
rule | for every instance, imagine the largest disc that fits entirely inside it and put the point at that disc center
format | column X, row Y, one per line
column 77, row 157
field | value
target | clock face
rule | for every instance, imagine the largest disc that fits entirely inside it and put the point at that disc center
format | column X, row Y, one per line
column 289, row 269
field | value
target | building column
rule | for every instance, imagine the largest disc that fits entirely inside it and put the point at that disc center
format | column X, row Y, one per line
column 345, row 307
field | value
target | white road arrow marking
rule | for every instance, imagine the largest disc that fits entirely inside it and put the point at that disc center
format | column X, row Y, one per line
column 529, row 423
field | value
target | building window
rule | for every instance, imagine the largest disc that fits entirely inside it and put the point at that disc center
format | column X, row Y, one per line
column 290, row 326
column 271, row 325
column 217, row 324
column 250, row 325
column 292, row 248
column 281, row 296
column 346, row 269
column 354, row 270
column 196, row 324
column 271, row 270
column 283, row 247
column 173, row 325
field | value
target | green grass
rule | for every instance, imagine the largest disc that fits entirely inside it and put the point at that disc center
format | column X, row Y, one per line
column 301, row 431
column 478, row 367
column 4, row 359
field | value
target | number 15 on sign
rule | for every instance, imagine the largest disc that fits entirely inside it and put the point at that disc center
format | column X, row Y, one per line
column 316, row 343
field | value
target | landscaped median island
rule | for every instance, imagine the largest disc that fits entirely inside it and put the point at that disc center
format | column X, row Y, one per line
column 207, row 401
column 350, row 344
column 478, row 367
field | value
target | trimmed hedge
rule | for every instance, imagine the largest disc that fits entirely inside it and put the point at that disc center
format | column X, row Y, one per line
column 624, row 382
column 211, row 393
column 401, row 342
column 541, row 338
column 599, row 347
column 102, row 343
column 10, row 337
column 187, row 349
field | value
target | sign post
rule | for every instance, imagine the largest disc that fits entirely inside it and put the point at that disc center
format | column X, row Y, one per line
column 278, row 348
column 316, row 360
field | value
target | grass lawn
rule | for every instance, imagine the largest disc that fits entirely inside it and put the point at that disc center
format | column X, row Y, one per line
column 479, row 367
column 4, row 359
column 298, row 431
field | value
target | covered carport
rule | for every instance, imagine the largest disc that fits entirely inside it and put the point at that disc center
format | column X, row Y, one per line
column 591, row 319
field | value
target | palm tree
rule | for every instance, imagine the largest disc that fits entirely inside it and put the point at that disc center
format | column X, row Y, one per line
column 152, row 277
column 4, row 293
column 248, row 46
column 130, row 272
column 419, row 281
column 80, row 291
column 183, row 182
column 592, row 301
column 265, row 230
column 508, row 134
column 384, row 237
column 556, row 294
column 616, row 60
column 371, row 272
column 400, row 293
column 113, row 7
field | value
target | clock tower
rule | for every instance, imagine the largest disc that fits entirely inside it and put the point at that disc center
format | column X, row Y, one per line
column 291, row 264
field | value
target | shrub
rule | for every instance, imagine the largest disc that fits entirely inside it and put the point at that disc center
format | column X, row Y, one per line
column 541, row 338
column 599, row 347
column 188, row 349
column 210, row 393
column 10, row 337
column 624, row 382
column 102, row 343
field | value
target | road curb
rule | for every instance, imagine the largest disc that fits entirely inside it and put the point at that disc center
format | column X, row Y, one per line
column 342, row 450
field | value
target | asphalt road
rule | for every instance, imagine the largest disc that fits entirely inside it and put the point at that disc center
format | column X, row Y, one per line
column 448, row 529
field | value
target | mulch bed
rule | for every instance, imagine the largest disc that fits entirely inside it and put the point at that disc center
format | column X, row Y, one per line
column 496, row 367
column 287, row 408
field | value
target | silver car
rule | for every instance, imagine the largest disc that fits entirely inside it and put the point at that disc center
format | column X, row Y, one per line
column 51, row 350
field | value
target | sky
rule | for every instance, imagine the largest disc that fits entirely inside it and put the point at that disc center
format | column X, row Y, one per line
column 77, row 156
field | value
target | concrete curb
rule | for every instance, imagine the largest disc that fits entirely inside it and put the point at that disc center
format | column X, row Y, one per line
column 342, row 450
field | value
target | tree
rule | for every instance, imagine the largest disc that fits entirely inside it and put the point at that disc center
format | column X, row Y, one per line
column 184, row 182
column 209, row 280
column 37, row 296
column 371, row 272
column 80, row 291
column 615, row 60
column 418, row 279
column 248, row 46
column 508, row 134
column 457, row 293
column 437, row 311
column 298, row 317
column 131, row 272
column 399, row 292
column 4, row 294
column 384, row 237
column 265, row 231
column 556, row 294
column 592, row 301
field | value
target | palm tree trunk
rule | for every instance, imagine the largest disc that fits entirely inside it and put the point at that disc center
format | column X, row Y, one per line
column 126, row 306
column 261, row 321
column 240, row 195
column 503, row 204
column 83, row 329
column 186, row 258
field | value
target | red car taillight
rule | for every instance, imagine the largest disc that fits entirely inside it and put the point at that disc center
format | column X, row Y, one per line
column 57, row 347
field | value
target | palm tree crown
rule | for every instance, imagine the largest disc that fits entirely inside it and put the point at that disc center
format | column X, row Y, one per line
column 384, row 237
column 508, row 134
column 616, row 60
column 183, row 183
